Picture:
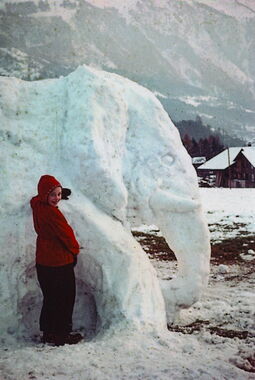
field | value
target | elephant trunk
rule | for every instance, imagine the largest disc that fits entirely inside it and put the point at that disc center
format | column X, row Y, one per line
column 187, row 235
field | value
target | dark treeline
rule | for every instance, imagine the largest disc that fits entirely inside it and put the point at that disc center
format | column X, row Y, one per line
column 201, row 140
column 207, row 147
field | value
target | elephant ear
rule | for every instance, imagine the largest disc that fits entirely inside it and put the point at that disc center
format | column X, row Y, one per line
column 66, row 193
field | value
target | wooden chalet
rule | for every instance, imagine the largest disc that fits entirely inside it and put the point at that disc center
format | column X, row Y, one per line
column 234, row 167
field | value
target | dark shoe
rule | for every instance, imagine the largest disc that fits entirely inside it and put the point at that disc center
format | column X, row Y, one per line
column 48, row 338
column 61, row 339
column 72, row 338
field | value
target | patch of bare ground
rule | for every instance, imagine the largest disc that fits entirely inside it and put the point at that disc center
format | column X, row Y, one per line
column 198, row 325
column 244, row 362
column 224, row 227
column 155, row 246
column 247, row 362
column 229, row 252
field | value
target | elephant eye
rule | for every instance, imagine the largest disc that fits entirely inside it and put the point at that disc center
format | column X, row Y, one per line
column 167, row 159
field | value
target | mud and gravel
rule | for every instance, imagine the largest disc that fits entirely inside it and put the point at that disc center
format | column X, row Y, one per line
column 228, row 251
column 231, row 254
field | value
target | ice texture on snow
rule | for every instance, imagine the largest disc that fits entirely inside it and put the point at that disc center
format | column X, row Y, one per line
column 111, row 142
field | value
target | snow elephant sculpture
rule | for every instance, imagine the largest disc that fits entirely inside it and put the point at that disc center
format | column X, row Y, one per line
column 111, row 141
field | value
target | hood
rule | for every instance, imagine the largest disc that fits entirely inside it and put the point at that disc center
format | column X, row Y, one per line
column 46, row 184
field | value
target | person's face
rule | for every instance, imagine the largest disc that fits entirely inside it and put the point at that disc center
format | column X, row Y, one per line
column 55, row 196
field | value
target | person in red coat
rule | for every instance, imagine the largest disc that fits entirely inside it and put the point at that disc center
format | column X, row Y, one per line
column 56, row 255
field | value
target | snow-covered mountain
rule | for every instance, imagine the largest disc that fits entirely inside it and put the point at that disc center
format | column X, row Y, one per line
column 196, row 55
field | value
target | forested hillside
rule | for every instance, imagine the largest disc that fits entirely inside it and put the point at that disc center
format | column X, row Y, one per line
column 203, row 140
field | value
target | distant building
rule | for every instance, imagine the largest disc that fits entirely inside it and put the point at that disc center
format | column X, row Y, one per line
column 234, row 167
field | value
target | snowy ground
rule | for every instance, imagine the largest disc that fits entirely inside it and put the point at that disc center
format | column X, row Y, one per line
column 212, row 340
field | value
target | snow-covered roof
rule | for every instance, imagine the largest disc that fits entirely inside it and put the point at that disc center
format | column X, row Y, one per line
column 227, row 158
column 249, row 153
column 198, row 160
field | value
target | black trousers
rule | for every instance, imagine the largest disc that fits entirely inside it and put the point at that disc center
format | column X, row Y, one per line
column 58, row 288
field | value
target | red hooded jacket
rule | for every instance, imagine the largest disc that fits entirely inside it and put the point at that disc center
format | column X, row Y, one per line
column 56, row 244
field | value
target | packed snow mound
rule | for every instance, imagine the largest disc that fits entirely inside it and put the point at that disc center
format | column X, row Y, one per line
column 111, row 142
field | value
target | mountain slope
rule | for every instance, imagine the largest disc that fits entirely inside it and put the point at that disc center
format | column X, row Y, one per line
column 197, row 55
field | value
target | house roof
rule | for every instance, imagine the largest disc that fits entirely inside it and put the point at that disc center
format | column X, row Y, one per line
column 227, row 158
column 198, row 160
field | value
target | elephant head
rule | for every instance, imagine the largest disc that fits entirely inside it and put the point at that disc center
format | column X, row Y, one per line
column 133, row 153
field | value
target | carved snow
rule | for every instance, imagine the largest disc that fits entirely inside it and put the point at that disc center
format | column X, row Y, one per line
column 111, row 142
